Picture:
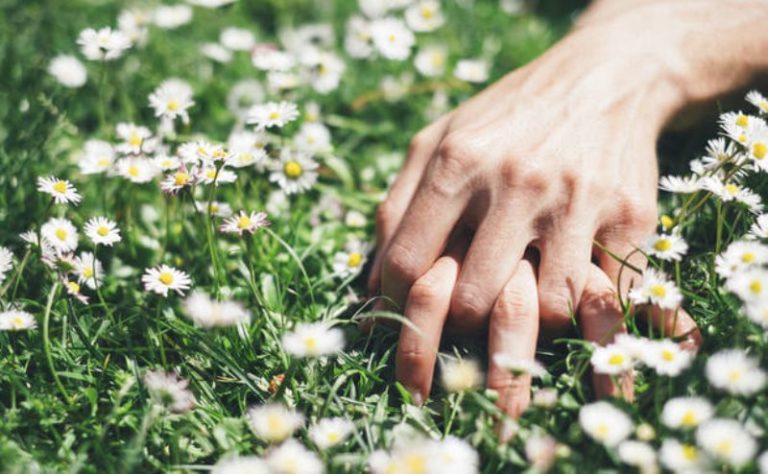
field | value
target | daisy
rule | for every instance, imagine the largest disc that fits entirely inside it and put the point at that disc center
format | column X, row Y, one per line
column 294, row 172
column 245, row 222
column 666, row 357
column 104, row 44
column 272, row 114
column 244, row 95
column 605, row 423
column 292, row 457
column 682, row 458
column 61, row 234
column 209, row 174
column 6, row 262
column 136, row 138
column 274, row 422
column 175, row 182
column 612, row 359
column 169, row 390
column 68, row 71
column 450, row 455
column 16, row 320
column 638, row 454
column 196, row 151
column 545, row 398
column 172, row 99
column 350, row 261
column 424, row 16
column 218, row 209
column 216, row 52
column 208, row 313
column 89, row 270
column 330, row 432
column 73, row 290
column 247, row 149
column 720, row 151
column 102, row 231
column 358, row 42
column 762, row 463
column 519, row 366
column 758, row 100
column 355, row 219
column 269, row 58
column 751, row 285
column 540, row 452
column 634, row 346
column 280, row 82
column 326, row 71
column 169, row 17
column 137, row 170
column 730, row 191
column 313, row 340
column 656, row 289
column 460, row 375
column 164, row 278
column 680, row 185
column 237, row 39
column 727, row 440
column 241, row 465
column 472, row 70
column 63, row 191
column 166, row 162
column 758, row 313
column 759, row 229
column 98, row 157
column 733, row 371
column 666, row 247
column 313, row 137
column 210, row 3
column 686, row 412
column 392, row 38
column 740, row 256
column 431, row 61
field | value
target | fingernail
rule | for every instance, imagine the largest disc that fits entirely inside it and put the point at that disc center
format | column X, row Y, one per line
column 416, row 398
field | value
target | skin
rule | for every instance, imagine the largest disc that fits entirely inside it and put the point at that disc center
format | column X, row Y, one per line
column 555, row 156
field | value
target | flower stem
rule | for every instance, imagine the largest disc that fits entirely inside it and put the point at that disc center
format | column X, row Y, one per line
column 47, row 341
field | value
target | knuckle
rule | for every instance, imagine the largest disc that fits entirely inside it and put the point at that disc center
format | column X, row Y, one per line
column 555, row 304
column 424, row 291
column 467, row 303
column 635, row 213
column 457, row 155
column 400, row 263
column 385, row 213
column 418, row 143
column 514, row 306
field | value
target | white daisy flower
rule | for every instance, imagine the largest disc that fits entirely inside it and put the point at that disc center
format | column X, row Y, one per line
column 680, row 185
column 292, row 457
column 666, row 247
column 210, row 3
column 6, row 262
column 751, row 285
column 247, row 149
column 758, row 100
column 73, row 290
column 210, row 175
column 89, row 270
column 218, row 209
column 682, row 458
column 519, row 366
column 272, row 114
column 237, row 39
column 241, row 465
column 68, row 71
column 197, row 151
column 730, row 191
column 102, row 231
column 740, row 256
column 175, row 182
column 424, row 16
column 269, row 58
column 62, row 191
column 686, row 412
column 472, row 70
column 274, row 422
column 612, row 359
column 169, row 390
column 216, row 52
column 313, row 137
column 98, row 157
column 431, row 61
column 136, row 138
column 656, row 289
column 245, row 222
column 61, row 234
column 545, row 398
column 134, row 24
column 666, row 357
column 719, row 151
column 513, row 7
column 632, row 345
column 104, row 44
column 605, row 423
column 355, row 219
column 137, row 170
column 294, row 172
column 350, row 261
column 325, row 70
column 392, row 38
column 313, row 340
column 169, row 17
column 451, row 455
column 733, row 371
column 540, row 452
column 638, row 454
column 330, row 432
column 16, row 320
column 460, row 375
column 171, row 100
column 727, row 440
column 759, row 229
column 358, row 42
column 757, row 312
column 762, row 463
column 739, row 126
column 208, row 313
column 166, row 162
column 163, row 278
column 282, row 82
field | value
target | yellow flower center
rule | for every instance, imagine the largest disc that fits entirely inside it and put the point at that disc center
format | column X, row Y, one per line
column 731, row 189
column 658, row 290
column 666, row 222
column 60, row 186
column 734, row 375
column 756, row 287
column 275, row 424
column 274, row 115
column 87, row 272
column 690, row 452
column 102, row 163
column 763, row 104
column 742, row 120
column 211, row 174
column 724, row 447
column 135, row 139
column 310, row 343
column 181, row 179
column 18, row 322
column 133, row 171
column 667, row 355
column 73, row 287
column 333, row 437
column 663, row 245
column 742, row 138
column 243, row 222
column 437, row 59
column 61, row 234
column 293, row 169
column 427, row 12
column 602, row 431
column 219, row 154
column 172, row 105
column 616, row 359
column 166, row 278
column 103, row 231
column 748, row 257
column 392, row 38
column 416, row 464
column 689, row 419
column 759, row 150
column 355, row 259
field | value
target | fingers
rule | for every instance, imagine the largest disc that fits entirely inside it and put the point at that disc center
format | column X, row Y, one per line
column 674, row 323
column 563, row 272
column 600, row 319
column 390, row 212
column 497, row 247
column 513, row 332
column 426, row 309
